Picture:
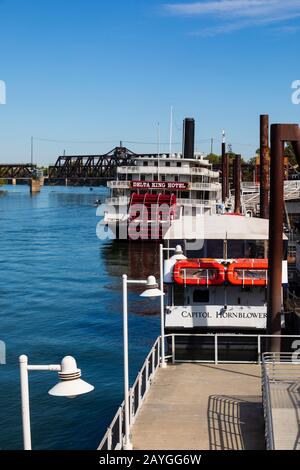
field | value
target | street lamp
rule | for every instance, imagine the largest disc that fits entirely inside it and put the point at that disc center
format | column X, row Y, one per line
column 151, row 291
column 178, row 255
column 70, row 386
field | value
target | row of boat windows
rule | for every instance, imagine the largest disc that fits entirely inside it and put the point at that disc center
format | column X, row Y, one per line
column 202, row 296
column 170, row 164
column 176, row 178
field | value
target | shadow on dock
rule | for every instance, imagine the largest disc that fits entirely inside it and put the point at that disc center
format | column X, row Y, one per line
column 235, row 422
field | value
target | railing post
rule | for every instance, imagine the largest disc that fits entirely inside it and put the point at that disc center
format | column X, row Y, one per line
column 273, row 366
column 216, row 349
column 130, row 406
column 153, row 362
column 139, row 389
column 147, row 374
column 109, row 439
column 259, row 349
column 173, row 349
column 158, row 354
column 121, row 427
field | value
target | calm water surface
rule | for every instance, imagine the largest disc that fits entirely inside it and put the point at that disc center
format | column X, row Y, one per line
column 60, row 294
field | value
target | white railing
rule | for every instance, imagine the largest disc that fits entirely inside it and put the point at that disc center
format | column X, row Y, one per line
column 205, row 186
column 196, row 202
column 118, row 201
column 215, row 343
column 119, row 184
column 113, row 438
column 277, row 368
column 250, row 193
column 125, row 184
column 167, row 170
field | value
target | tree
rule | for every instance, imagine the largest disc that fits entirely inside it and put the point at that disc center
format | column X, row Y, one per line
column 289, row 152
column 214, row 159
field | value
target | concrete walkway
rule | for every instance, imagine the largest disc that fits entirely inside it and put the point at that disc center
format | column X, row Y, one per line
column 202, row 406
column 285, row 401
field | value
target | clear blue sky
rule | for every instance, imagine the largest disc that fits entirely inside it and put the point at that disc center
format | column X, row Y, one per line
column 95, row 70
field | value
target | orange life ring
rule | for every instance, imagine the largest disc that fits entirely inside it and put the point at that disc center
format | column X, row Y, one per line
column 200, row 272
column 248, row 272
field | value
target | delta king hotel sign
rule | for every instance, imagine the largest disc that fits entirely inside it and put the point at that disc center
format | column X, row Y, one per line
column 168, row 185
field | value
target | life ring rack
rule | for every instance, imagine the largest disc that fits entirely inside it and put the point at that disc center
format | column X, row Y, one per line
column 209, row 271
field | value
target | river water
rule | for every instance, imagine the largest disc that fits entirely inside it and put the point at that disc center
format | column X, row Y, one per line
column 61, row 294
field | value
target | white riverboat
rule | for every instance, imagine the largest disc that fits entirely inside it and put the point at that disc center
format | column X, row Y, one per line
column 156, row 189
column 222, row 283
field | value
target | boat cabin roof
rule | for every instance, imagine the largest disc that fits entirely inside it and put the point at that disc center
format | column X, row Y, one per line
column 219, row 227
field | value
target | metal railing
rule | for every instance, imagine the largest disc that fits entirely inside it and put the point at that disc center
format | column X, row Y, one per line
column 217, row 345
column 183, row 170
column 192, row 186
column 250, row 193
column 276, row 368
column 113, row 438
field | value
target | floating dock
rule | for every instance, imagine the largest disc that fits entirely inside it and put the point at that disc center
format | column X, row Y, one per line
column 202, row 406
column 212, row 405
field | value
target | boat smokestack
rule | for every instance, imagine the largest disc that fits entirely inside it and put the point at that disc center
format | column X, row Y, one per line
column 225, row 170
column 237, row 184
column 188, row 138
column 264, row 166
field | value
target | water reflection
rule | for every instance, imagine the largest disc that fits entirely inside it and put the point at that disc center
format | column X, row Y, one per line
column 138, row 260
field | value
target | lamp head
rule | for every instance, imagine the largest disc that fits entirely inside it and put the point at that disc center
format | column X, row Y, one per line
column 70, row 385
column 178, row 250
column 151, row 288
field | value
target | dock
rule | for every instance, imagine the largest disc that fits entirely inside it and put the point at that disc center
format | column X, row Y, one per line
column 212, row 404
column 281, row 393
column 184, row 409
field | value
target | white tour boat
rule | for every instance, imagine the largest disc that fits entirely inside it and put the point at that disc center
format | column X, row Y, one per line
column 222, row 284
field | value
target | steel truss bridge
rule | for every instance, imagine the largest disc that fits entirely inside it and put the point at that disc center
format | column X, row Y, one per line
column 90, row 167
column 17, row 171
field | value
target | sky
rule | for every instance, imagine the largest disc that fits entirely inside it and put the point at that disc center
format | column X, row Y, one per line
column 81, row 75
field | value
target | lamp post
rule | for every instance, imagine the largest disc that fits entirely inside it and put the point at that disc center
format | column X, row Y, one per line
column 70, row 386
column 178, row 255
column 151, row 291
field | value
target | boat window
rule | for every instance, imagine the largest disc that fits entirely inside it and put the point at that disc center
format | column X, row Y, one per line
column 167, row 163
column 179, row 297
column 236, row 249
column 200, row 296
column 178, row 164
column 145, row 163
column 214, row 249
column 254, row 249
column 156, row 163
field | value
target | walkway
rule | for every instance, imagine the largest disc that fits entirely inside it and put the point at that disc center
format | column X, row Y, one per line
column 202, row 406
